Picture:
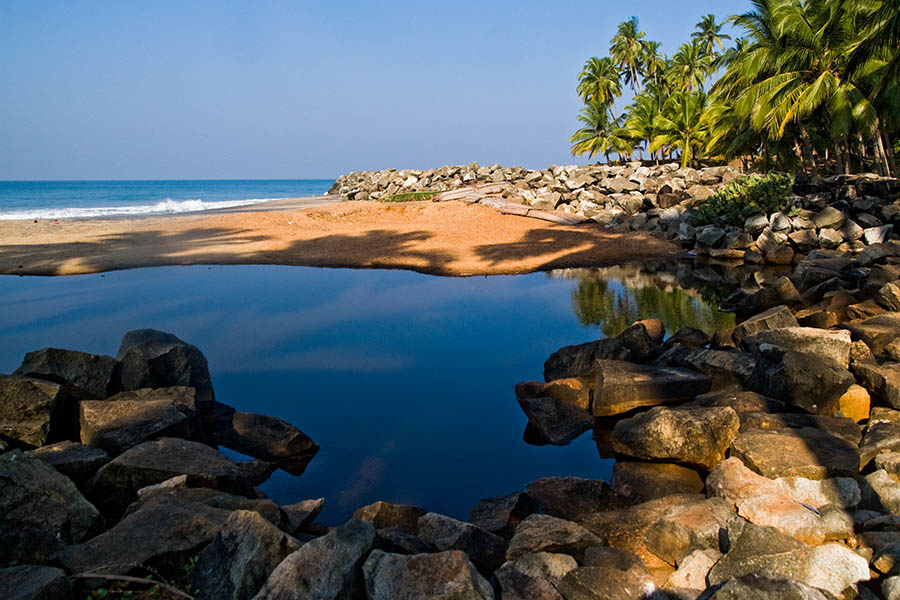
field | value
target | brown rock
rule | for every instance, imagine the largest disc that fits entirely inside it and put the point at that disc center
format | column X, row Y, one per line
column 501, row 516
column 574, row 498
column 621, row 386
column 574, row 391
column 386, row 515
column 682, row 529
column 643, row 481
column 805, row 452
column 114, row 427
column 855, row 403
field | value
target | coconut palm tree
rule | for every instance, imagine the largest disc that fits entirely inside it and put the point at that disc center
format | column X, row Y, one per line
column 602, row 133
column 682, row 126
column 709, row 35
column 599, row 81
column 653, row 62
column 626, row 50
column 690, row 67
column 642, row 114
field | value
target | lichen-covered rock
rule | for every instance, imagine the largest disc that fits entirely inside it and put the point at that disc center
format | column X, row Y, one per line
column 829, row 343
column 445, row 575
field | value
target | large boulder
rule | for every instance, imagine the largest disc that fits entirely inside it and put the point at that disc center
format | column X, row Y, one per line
column 808, row 381
column 74, row 460
column 574, row 498
column 114, row 427
column 882, row 381
column 880, row 437
column 240, row 558
column 805, row 452
column 579, row 361
column 695, row 437
column 35, row 413
column 757, row 587
column 833, row 344
column 384, row 515
column 877, row 332
column 501, row 516
column 32, row 582
column 774, row 318
column 725, row 368
column 621, row 386
column 115, row 485
column 153, row 495
column 441, row 576
column 181, row 397
column 599, row 583
column 543, row 533
column 41, row 511
column 534, row 576
column 264, row 437
column 557, row 422
column 643, row 481
column 484, row 549
column 88, row 373
column 682, row 529
column 805, row 523
column 326, row 568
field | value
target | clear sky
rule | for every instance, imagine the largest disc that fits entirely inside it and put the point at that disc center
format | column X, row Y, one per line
column 271, row 89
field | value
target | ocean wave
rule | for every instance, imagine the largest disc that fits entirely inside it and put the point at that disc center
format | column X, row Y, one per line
column 166, row 207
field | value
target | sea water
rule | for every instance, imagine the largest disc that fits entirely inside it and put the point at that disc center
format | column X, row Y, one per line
column 79, row 199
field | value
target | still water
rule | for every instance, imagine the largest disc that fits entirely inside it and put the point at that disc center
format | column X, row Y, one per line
column 404, row 380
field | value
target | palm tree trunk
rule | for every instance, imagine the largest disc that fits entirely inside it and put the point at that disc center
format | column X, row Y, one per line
column 806, row 149
column 888, row 150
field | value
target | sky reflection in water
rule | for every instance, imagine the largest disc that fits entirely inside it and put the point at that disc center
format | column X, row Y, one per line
column 405, row 380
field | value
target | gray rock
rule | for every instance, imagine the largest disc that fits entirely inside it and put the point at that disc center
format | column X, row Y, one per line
column 88, row 373
column 754, row 225
column 830, row 238
column 804, row 239
column 442, row 576
column 801, row 522
column 114, row 427
column 725, row 368
column 181, row 397
column 622, row 386
column 534, row 576
column 266, row 438
column 882, row 381
column 890, row 587
column 574, row 498
column 240, row 558
column 32, row 582
column 830, row 218
column 710, row 237
column 600, row 583
column 774, row 318
column 876, row 235
column 484, row 549
column 805, row 452
column 877, row 332
column 690, row 337
column 643, row 481
column 682, row 529
column 501, row 516
column 41, row 511
column 74, row 460
column 543, row 533
column 770, row 241
column 880, row 492
column 386, row 515
column 840, row 427
column 398, row 541
column 156, row 495
column 756, row 587
column 780, row 222
column 880, row 437
column 557, row 422
column 35, row 413
column 326, row 568
column 830, row 343
column 689, row 580
column 696, row 437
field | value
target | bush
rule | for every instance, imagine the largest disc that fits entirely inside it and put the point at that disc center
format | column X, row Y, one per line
column 745, row 197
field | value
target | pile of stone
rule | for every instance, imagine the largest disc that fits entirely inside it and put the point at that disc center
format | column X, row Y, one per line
column 761, row 461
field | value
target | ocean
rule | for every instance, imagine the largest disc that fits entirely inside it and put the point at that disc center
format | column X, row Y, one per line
column 72, row 199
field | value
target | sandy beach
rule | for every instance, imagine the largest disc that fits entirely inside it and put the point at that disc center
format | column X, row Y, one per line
column 448, row 238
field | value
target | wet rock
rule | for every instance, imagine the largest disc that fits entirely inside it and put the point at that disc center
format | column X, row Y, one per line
column 805, row 452
column 556, row 422
column 484, row 549
column 32, row 582
column 621, row 386
column 766, row 552
column 501, row 516
column 682, row 529
column 598, row 583
column 574, row 498
column 327, row 567
column 441, row 576
column 240, row 558
column 579, row 361
column 40, row 510
column 877, row 332
column 808, row 381
column 543, row 533
column 643, row 481
column 755, row 587
column 115, row 485
column 534, row 576
column 75, row 461
column 384, row 515
column 696, row 437
column 831, row 344
column 35, row 413
column 882, row 381
column 88, row 373
column 778, row 317
column 114, row 427
column 267, row 438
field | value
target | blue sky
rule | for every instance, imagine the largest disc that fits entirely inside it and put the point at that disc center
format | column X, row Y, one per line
column 228, row 90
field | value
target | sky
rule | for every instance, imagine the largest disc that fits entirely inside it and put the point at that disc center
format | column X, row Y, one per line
column 272, row 89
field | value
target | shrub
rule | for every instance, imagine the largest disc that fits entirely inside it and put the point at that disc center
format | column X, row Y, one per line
column 411, row 196
column 745, row 197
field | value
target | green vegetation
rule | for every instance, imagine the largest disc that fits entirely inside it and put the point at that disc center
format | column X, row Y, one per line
column 411, row 196
column 745, row 197
column 810, row 83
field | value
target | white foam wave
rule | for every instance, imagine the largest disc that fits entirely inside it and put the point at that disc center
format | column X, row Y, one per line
column 166, row 207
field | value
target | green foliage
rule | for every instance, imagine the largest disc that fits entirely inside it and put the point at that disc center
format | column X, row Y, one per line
column 747, row 196
column 411, row 196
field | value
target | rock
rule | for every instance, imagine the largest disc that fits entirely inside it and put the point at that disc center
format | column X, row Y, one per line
column 755, row 587
column 842, row 492
column 864, row 310
column 534, row 576
column 580, row 360
column 804, row 239
column 35, row 413
column 890, row 462
column 240, row 558
column 830, row 238
column 805, row 452
column 643, row 481
column 75, row 461
column 782, row 255
column 682, row 529
column 689, row 337
column 266, row 438
column 725, row 368
column 543, row 533
column 832, row 344
column 787, row 516
column 441, row 576
column 766, row 552
column 32, row 582
column 811, row 382
column 691, row 573
column 880, row 437
column 114, row 427
column 557, row 422
column 829, row 218
column 774, row 318
column 398, row 541
column 302, row 513
column 880, row 492
column 115, row 485
column 327, row 567
column 572, row 391
column 641, row 346
column 484, row 549
column 157, row 495
column 41, row 511
column 754, row 225
column 710, row 237
column 882, row 381
column 695, row 437
column 876, row 236
column 599, row 583
column 501, row 516
column 181, row 397
column 740, row 401
column 385, row 515
column 855, row 403
column 860, row 353
column 770, row 241
column 877, row 332
column 574, row 498
column 654, row 328
column 839, row 427
column 888, row 296
column 621, row 386
column 88, row 373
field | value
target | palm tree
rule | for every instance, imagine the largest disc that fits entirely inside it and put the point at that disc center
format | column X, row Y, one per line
column 690, row 67
column 602, row 133
column 709, row 35
column 653, row 62
column 642, row 114
column 626, row 50
column 599, row 81
column 682, row 127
